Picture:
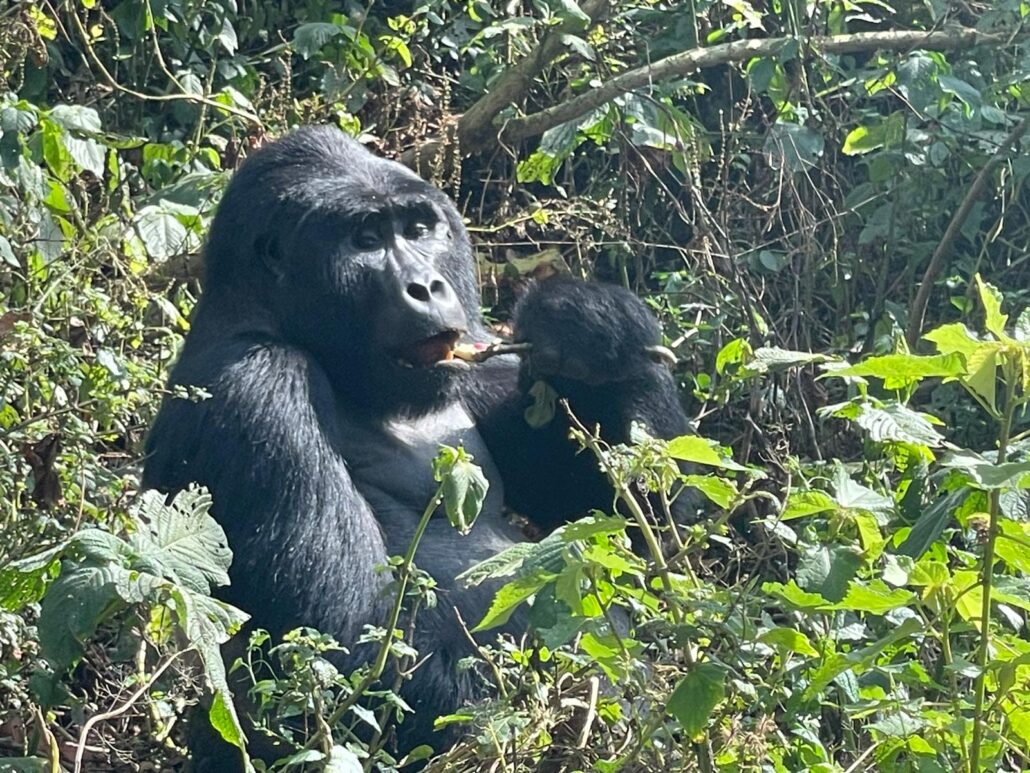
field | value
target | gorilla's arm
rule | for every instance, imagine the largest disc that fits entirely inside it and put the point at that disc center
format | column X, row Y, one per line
column 305, row 542
column 593, row 345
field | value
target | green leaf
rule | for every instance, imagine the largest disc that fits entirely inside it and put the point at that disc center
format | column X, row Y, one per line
column 796, row 597
column 180, row 541
column 985, row 474
column 931, row 524
column 875, row 597
column 696, row 696
column 342, row 760
column 308, row 39
column 854, row 496
column 904, row 369
column 991, row 299
column 772, row 359
column 463, row 486
column 793, row 147
column 508, row 598
column 789, row 640
column 982, row 378
column 735, row 352
column 1012, row 546
column 699, row 450
column 804, row 503
column 74, row 605
column 545, row 401
column 718, row 490
column 964, row 91
column 954, row 338
column 897, row 423
column 163, row 234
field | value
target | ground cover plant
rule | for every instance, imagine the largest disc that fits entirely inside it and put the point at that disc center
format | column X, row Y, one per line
column 825, row 203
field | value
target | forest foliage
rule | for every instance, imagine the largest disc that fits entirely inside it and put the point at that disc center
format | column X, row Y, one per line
column 824, row 202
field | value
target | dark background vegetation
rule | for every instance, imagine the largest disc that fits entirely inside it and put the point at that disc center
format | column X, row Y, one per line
column 811, row 193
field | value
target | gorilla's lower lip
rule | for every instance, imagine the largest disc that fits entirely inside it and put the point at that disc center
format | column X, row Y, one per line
column 434, row 351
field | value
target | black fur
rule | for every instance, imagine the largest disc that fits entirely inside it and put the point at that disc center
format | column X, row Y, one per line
column 325, row 266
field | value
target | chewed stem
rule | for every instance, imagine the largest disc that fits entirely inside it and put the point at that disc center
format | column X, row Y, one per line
column 483, row 352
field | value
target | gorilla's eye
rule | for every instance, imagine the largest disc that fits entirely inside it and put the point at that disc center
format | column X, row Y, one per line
column 417, row 229
column 368, row 235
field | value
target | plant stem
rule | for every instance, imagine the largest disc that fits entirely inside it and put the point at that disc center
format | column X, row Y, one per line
column 404, row 571
column 987, row 573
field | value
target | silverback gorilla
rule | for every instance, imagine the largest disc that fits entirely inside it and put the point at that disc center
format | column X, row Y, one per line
column 337, row 284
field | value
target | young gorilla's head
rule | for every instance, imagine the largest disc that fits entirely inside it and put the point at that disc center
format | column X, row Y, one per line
column 356, row 260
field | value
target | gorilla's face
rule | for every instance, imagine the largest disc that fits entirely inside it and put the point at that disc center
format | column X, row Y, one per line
column 358, row 261
column 368, row 293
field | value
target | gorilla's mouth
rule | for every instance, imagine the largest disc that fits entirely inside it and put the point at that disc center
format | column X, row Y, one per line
column 436, row 351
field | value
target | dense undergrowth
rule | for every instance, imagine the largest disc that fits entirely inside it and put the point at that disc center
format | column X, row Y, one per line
column 836, row 243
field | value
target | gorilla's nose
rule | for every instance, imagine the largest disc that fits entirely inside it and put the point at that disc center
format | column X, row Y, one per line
column 427, row 293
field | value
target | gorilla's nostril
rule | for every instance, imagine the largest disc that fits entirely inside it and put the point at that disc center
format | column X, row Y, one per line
column 418, row 291
column 438, row 288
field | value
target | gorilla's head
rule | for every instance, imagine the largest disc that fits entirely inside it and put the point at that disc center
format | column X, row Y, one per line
column 356, row 260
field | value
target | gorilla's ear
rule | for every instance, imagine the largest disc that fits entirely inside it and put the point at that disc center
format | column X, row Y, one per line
column 266, row 250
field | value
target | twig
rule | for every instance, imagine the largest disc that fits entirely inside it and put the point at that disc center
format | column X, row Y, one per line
column 80, row 749
column 475, row 128
column 184, row 97
column 482, row 355
column 917, row 312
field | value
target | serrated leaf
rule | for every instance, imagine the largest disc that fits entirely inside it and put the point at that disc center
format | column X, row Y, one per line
column 718, row 490
column 854, row 496
column 463, row 486
column 509, row 597
column 699, row 450
column 796, row 597
column 803, row 503
column 875, row 597
column 1013, row 545
column 696, row 696
column 954, row 338
column 991, row 299
column 903, row 369
column 162, row 233
column 897, row 423
column 790, row 640
column 985, row 474
column 308, row 39
column 180, row 541
column 768, row 359
column 982, row 367
column 736, row 351
column 74, row 605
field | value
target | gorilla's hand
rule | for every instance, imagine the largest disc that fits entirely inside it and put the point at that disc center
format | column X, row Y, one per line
column 587, row 333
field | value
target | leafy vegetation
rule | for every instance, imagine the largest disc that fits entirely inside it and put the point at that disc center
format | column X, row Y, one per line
column 826, row 204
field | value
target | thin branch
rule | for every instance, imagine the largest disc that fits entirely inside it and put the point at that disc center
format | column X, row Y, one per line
column 917, row 313
column 111, row 81
column 695, row 59
column 80, row 748
column 476, row 126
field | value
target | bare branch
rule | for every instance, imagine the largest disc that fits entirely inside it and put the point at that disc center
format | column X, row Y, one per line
column 695, row 59
column 917, row 312
column 476, row 126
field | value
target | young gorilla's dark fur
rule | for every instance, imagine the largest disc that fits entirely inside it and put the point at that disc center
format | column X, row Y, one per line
column 330, row 275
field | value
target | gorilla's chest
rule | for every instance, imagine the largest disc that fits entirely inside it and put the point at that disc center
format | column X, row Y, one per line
column 391, row 464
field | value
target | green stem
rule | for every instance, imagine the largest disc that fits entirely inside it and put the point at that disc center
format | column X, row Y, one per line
column 404, row 571
column 987, row 576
